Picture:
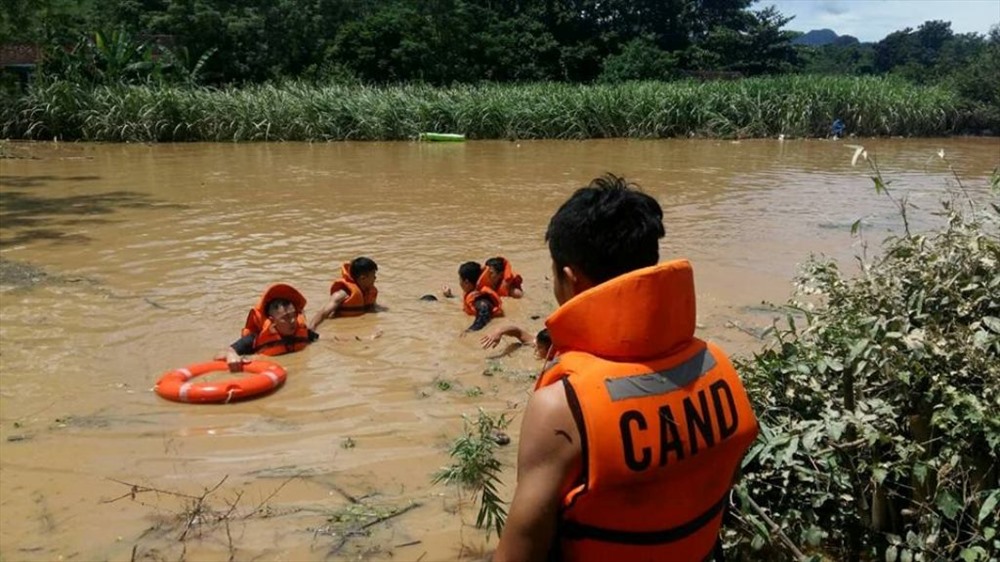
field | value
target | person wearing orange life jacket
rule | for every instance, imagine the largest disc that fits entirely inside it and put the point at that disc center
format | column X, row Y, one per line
column 632, row 439
column 353, row 294
column 276, row 325
column 499, row 276
column 482, row 303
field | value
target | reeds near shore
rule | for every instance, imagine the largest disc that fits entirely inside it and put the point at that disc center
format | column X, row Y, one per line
column 795, row 106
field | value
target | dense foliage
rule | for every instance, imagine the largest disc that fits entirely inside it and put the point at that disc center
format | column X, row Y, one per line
column 438, row 41
column 373, row 48
column 880, row 403
column 757, row 107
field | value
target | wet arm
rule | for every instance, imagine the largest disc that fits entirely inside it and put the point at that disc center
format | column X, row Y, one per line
column 492, row 339
column 548, row 460
column 232, row 355
column 329, row 309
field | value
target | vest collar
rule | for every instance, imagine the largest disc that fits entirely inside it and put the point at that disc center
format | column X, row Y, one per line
column 345, row 273
column 646, row 313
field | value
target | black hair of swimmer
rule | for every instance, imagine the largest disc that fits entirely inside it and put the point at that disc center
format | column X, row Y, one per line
column 606, row 229
column 496, row 264
column 361, row 266
column 429, row 298
column 543, row 338
column 470, row 271
column 274, row 305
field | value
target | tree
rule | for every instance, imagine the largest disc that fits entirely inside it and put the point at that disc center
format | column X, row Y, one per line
column 758, row 46
column 641, row 59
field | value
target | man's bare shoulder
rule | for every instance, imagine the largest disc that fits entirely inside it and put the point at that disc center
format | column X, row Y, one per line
column 549, row 426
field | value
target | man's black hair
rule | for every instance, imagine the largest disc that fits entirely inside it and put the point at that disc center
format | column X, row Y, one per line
column 543, row 338
column 496, row 264
column 470, row 271
column 484, row 312
column 275, row 304
column 606, row 229
column 361, row 266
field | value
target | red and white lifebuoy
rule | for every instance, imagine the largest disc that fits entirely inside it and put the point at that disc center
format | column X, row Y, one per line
column 261, row 377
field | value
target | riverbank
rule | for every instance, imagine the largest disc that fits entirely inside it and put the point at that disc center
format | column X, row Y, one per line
column 792, row 106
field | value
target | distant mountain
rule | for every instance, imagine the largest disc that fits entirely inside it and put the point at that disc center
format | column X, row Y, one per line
column 818, row 37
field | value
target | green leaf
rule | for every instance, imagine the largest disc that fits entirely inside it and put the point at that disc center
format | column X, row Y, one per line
column 948, row 505
column 981, row 339
column 879, row 475
column 993, row 323
column 973, row 554
column 855, row 227
column 989, row 506
column 837, row 430
column 879, row 185
column 856, row 349
column 814, row 535
column 793, row 446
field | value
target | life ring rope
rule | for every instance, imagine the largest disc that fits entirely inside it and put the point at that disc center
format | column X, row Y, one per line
column 261, row 377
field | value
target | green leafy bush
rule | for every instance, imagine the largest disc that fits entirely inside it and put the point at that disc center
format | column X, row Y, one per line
column 477, row 468
column 879, row 403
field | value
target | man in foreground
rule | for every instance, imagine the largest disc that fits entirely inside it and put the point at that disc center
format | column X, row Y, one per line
column 632, row 439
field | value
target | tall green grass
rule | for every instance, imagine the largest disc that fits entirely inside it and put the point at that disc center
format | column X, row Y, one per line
column 757, row 107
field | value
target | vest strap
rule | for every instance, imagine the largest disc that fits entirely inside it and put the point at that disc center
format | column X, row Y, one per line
column 574, row 530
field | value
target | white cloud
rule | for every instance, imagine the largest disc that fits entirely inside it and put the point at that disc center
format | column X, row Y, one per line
column 871, row 20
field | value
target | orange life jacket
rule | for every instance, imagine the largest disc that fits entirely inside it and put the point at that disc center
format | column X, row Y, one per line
column 469, row 301
column 663, row 417
column 268, row 340
column 357, row 302
column 508, row 283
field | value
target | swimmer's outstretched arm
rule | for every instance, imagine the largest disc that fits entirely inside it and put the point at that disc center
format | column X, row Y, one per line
column 492, row 339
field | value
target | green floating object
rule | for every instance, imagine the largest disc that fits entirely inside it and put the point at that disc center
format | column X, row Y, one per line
column 442, row 137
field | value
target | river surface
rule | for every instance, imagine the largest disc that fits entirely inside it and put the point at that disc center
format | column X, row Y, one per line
column 121, row 262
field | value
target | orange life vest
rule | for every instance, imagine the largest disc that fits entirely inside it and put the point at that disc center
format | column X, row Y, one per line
column 663, row 417
column 357, row 302
column 469, row 301
column 509, row 282
column 268, row 341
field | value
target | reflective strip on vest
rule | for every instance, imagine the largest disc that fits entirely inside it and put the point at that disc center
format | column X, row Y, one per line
column 575, row 531
column 661, row 382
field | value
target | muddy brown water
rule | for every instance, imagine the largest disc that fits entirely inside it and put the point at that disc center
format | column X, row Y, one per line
column 120, row 262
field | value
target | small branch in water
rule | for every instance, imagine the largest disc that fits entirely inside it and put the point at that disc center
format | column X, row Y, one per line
column 776, row 529
column 268, row 498
column 199, row 508
column 344, row 493
column 359, row 530
column 732, row 324
column 396, row 513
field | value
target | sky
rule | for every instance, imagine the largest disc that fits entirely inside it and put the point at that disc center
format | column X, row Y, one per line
column 871, row 20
